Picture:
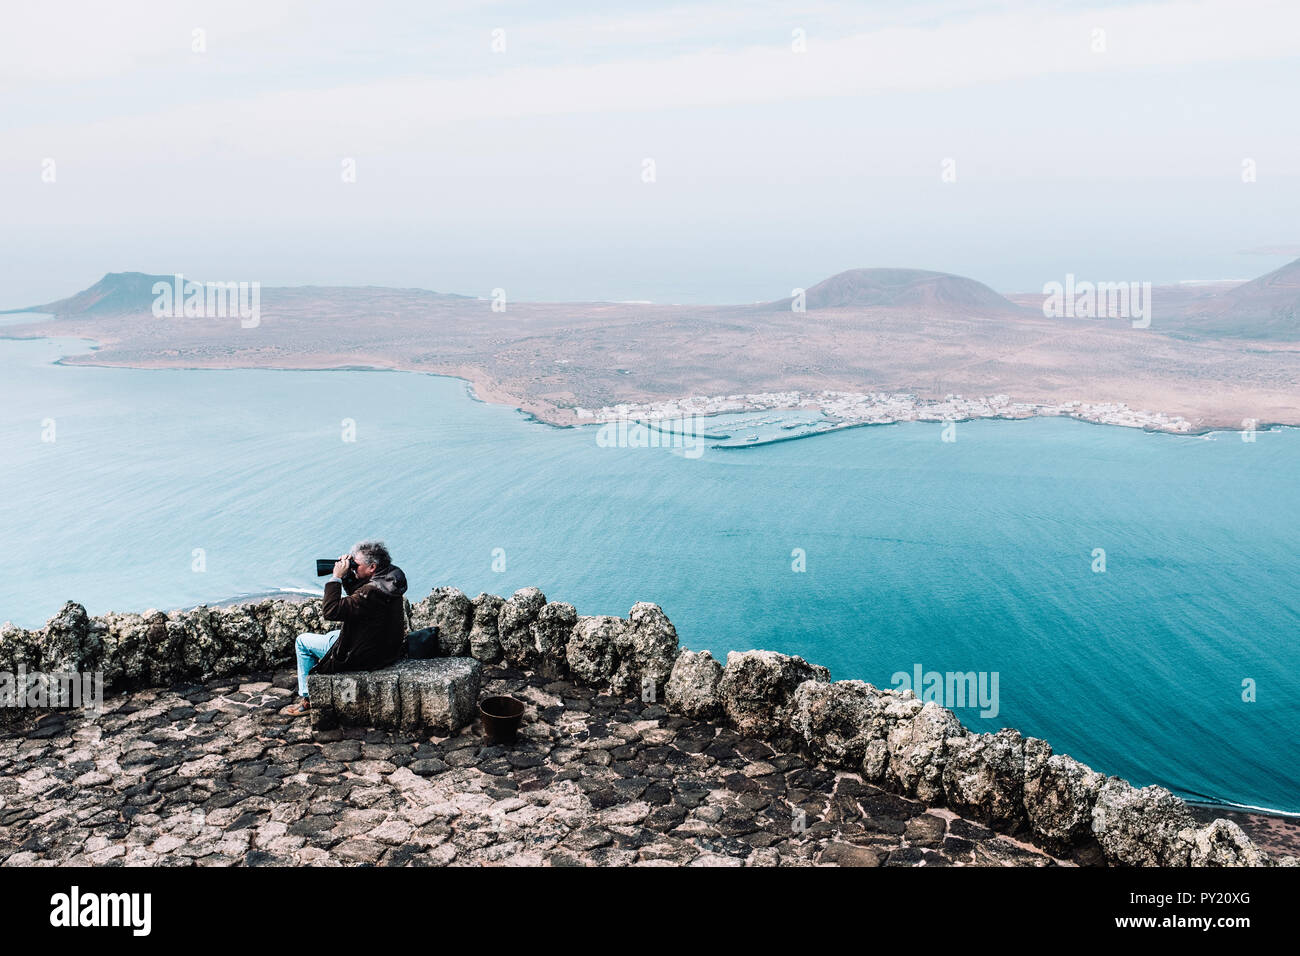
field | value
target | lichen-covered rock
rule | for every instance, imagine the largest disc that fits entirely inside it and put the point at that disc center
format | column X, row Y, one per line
column 875, row 761
column 757, row 686
column 590, row 650
column 918, row 750
column 166, row 641
column 240, row 637
column 198, row 642
column 283, row 621
column 896, row 707
column 551, row 636
column 1059, row 796
column 420, row 614
column 1146, row 827
column 1037, row 753
column 692, row 688
column 1222, row 843
column 484, row 643
column 67, row 644
column 984, row 777
column 645, row 651
column 449, row 610
column 17, row 646
column 515, row 626
column 131, row 644
column 835, row 722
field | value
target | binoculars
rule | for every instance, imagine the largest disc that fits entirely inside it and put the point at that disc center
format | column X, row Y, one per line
column 325, row 566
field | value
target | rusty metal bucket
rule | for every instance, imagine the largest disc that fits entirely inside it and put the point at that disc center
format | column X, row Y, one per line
column 501, row 718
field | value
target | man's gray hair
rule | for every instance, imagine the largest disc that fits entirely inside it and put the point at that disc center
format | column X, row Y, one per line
column 371, row 552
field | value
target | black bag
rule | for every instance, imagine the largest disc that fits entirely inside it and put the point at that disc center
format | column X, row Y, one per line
column 423, row 643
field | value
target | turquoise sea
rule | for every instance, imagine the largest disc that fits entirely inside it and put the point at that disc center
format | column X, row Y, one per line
column 172, row 488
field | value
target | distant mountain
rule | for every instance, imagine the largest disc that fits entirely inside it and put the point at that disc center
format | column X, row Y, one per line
column 116, row 292
column 132, row 292
column 902, row 289
column 1281, row 284
column 1267, row 307
column 1263, row 308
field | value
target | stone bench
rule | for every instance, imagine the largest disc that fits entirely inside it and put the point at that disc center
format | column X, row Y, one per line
column 438, row 694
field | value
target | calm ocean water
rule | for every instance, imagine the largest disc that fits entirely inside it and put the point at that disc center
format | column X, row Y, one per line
column 968, row 556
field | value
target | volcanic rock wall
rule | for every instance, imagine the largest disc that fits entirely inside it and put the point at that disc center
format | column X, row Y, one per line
column 1014, row 784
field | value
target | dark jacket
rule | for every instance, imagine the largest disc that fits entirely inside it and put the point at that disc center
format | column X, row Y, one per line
column 373, row 632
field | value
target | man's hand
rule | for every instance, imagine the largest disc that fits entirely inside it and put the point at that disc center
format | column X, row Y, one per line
column 342, row 567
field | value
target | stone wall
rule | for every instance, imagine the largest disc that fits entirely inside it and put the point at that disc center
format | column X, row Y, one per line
column 1014, row 784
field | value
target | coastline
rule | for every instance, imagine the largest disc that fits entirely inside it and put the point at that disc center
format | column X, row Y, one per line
column 482, row 387
column 840, row 406
column 1200, row 432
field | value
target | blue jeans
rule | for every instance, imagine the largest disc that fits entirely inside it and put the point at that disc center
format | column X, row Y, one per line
column 310, row 649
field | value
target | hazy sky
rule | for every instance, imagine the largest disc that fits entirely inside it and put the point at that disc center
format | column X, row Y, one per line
column 1115, row 155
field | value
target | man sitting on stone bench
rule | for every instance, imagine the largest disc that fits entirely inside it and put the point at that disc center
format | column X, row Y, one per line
column 373, row 615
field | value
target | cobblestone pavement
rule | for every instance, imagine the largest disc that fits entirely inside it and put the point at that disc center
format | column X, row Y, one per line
column 213, row 775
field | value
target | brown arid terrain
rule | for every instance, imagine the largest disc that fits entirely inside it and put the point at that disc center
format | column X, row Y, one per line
column 1217, row 355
